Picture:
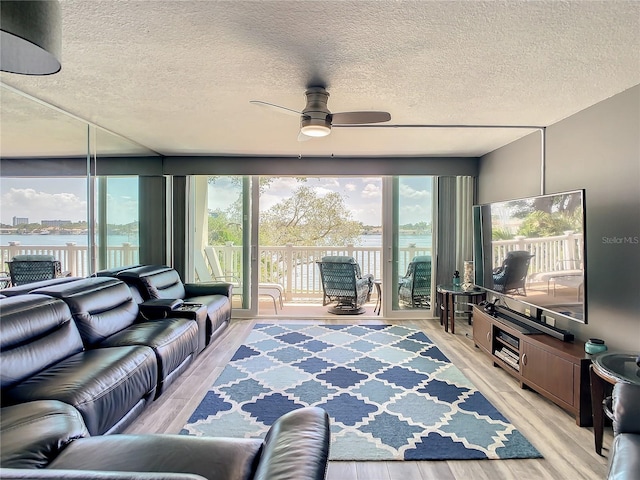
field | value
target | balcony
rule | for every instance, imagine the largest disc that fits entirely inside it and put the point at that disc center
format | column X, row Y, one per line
column 294, row 267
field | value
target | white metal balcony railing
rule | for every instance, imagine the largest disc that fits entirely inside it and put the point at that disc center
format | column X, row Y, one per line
column 550, row 254
column 73, row 258
column 295, row 267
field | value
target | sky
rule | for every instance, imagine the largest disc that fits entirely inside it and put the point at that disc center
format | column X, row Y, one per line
column 362, row 195
column 66, row 199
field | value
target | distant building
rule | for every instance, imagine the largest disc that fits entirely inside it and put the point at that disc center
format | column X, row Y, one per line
column 54, row 223
column 20, row 221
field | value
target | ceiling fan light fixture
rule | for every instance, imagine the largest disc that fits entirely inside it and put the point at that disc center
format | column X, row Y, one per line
column 316, row 130
column 30, row 41
column 315, row 125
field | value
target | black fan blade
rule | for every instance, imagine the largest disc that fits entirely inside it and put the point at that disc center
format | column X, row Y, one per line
column 354, row 118
column 277, row 108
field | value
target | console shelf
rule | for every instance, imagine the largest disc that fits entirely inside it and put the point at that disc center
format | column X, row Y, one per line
column 555, row 369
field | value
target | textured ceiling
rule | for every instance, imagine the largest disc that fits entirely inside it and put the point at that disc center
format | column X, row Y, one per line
column 177, row 76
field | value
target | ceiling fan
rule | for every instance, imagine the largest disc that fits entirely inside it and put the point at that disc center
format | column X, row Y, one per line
column 316, row 120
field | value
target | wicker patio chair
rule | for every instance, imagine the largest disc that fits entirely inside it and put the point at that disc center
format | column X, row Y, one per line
column 33, row 268
column 343, row 283
column 414, row 288
column 511, row 276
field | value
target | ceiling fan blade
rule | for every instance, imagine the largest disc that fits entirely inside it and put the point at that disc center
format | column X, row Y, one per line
column 277, row 108
column 351, row 118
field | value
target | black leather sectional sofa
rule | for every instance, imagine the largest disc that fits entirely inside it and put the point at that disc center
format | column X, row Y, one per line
column 43, row 357
column 82, row 358
column 96, row 344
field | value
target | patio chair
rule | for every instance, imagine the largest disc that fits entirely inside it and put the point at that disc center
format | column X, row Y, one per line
column 5, row 280
column 414, row 289
column 34, row 268
column 511, row 276
column 343, row 283
column 273, row 290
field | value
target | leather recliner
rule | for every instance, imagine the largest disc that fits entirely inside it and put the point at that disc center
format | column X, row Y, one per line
column 43, row 357
column 47, row 440
column 163, row 282
column 108, row 316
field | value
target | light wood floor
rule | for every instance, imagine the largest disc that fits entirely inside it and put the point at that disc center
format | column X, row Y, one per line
column 568, row 450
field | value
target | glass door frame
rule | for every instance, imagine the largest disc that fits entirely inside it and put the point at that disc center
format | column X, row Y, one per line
column 390, row 257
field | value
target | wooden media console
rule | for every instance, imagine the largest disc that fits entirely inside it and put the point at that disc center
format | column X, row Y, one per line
column 555, row 369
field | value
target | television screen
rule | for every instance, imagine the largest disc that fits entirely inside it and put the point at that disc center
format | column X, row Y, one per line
column 532, row 250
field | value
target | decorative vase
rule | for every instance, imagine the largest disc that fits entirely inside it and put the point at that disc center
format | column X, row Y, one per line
column 468, row 275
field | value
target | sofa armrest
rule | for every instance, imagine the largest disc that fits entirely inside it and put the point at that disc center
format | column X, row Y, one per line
column 297, row 446
column 208, row 288
column 32, row 434
column 624, row 460
column 626, row 408
column 159, row 307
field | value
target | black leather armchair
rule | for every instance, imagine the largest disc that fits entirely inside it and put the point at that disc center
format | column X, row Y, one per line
column 624, row 460
column 47, row 440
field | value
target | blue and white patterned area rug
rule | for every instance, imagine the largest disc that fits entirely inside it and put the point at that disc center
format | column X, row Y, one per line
column 390, row 392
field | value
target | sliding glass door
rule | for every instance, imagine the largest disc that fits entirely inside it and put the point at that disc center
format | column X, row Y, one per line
column 409, row 256
column 265, row 235
column 221, row 235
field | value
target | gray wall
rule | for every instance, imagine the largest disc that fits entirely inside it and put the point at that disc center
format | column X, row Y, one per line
column 597, row 149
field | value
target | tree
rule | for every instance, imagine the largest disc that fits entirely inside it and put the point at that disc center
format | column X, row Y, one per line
column 543, row 224
column 549, row 215
column 307, row 218
column 223, row 229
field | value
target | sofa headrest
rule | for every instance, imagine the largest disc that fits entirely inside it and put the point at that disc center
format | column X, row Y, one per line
column 113, row 272
column 101, row 306
column 37, row 331
column 155, row 281
column 30, row 287
column 144, row 270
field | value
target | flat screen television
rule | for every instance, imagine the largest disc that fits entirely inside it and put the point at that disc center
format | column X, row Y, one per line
column 532, row 250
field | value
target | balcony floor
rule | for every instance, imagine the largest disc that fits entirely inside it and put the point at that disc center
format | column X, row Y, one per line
column 308, row 310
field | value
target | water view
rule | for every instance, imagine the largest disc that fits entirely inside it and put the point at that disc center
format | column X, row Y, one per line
column 374, row 240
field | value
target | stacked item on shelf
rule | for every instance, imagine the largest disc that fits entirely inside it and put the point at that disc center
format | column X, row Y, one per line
column 513, row 341
column 509, row 357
